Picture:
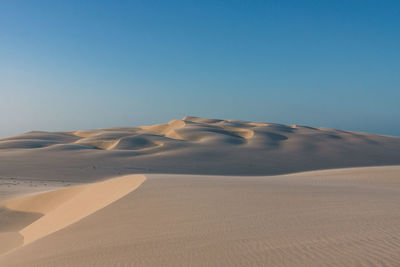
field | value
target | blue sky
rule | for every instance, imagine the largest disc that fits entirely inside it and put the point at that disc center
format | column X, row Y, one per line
column 68, row 65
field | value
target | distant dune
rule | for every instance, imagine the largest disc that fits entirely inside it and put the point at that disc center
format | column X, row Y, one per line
column 191, row 146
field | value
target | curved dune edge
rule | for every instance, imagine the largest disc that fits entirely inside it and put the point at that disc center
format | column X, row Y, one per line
column 240, row 132
column 67, row 206
column 166, row 129
column 9, row 241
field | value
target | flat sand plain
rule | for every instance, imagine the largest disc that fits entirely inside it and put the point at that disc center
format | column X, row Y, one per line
column 342, row 217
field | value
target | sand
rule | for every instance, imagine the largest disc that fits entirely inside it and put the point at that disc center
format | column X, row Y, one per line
column 59, row 208
column 66, row 206
column 190, row 146
column 143, row 196
column 346, row 217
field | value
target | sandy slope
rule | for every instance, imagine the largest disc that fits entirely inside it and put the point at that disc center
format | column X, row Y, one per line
column 344, row 217
column 10, row 223
column 335, row 217
column 190, row 146
column 26, row 219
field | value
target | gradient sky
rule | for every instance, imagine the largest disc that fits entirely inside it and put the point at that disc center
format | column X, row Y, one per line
column 67, row 65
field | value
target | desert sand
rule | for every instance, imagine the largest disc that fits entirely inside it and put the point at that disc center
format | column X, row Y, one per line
column 191, row 146
column 165, row 195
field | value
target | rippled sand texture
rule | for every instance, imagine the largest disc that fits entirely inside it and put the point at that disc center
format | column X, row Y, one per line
column 343, row 217
column 26, row 219
column 164, row 195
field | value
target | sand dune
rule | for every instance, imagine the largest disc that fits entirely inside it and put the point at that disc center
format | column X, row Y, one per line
column 167, row 130
column 63, row 207
column 9, row 241
column 344, row 217
column 10, row 223
column 58, row 206
column 191, row 145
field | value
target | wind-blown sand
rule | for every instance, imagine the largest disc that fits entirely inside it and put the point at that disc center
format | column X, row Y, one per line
column 346, row 217
column 191, row 146
column 55, row 212
column 66, row 206
column 26, row 219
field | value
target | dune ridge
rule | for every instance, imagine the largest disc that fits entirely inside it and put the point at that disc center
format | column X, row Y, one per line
column 109, row 138
column 167, row 130
column 189, row 130
column 192, row 145
column 63, row 207
column 211, row 196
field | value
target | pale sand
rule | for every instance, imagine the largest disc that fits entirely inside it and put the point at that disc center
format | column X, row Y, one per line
column 66, row 206
column 13, row 187
column 10, row 223
column 190, row 146
column 9, row 241
column 346, row 217
column 326, row 217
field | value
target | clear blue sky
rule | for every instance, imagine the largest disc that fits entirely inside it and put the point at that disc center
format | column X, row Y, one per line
column 68, row 65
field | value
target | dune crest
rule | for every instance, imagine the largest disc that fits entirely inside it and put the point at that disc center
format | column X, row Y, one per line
column 66, row 206
column 217, row 146
column 240, row 132
column 167, row 129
